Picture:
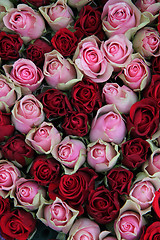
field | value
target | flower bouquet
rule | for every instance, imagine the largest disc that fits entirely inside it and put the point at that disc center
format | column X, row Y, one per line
column 79, row 120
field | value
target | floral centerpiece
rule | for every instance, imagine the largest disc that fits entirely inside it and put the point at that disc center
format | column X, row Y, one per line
column 79, row 119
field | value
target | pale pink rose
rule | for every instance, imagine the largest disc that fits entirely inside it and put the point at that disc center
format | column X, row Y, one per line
column 58, row 15
column 106, row 235
column 108, row 125
column 25, row 21
column 123, row 97
column 43, row 138
column 117, row 50
column 57, row 69
column 4, row 7
column 152, row 167
column 24, row 73
column 78, row 3
column 152, row 6
column 102, row 156
column 27, row 194
column 147, row 42
column 84, row 228
column 8, row 176
column 91, row 61
column 27, row 113
column 57, row 215
column 71, row 153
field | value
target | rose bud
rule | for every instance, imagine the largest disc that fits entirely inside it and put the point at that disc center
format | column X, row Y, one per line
column 57, row 215
column 102, row 156
column 152, row 166
column 58, row 15
column 6, row 129
column 27, row 113
column 108, row 125
column 123, row 97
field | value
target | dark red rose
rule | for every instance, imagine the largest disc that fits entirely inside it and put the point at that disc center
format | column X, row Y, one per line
column 45, row 170
column 76, row 124
column 143, row 118
column 10, row 45
column 74, row 189
column 18, row 224
column 119, row 179
column 89, row 22
column 135, row 152
column 65, row 41
column 55, row 103
column 103, row 205
column 153, row 90
column 4, row 205
column 152, row 232
column 36, row 3
column 156, row 203
column 6, row 129
column 156, row 65
column 15, row 149
column 35, row 52
column 86, row 96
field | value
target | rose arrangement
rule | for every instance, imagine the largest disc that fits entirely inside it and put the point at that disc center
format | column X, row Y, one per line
column 79, row 119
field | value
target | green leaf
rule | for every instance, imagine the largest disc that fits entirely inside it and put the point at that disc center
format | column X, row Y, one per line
column 61, row 236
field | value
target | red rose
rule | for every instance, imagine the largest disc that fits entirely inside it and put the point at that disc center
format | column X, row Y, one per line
column 15, row 149
column 156, row 203
column 4, row 205
column 45, row 170
column 74, row 188
column 86, row 96
column 18, row 224
column 35, row 52
column 156, row 65
column 152, row 232
column 89, row 22
column 158, row 25
column 55, row 103
column 36, row 3
column 6, row 129
column 103, row 205
column 76, row 124
column 65, row 41
column 143, row 118
column 119, row 179
column 10, row 45
column 153, row 90
column 135, row 152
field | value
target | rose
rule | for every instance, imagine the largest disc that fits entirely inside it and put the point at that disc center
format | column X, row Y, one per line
column 36, row 3
column 4, row 205
column 152, row 231
column 151, row 6
column 25, row 74
column 109, row 206
column 43, row 138
column 143, row 119
column 57, row 215
column 4, row 7
column 86, row 96
column 35, row 51
column 117, row 50
column 55, row 103
column 6, row 129
column 27, row 112
column 78, row 3
column 106, row 235
column 135, row 152
column 147, row 42
column 119, row 179
column 17, row 151
column 24, row 21
column 89, row 22
column 76, row 124
column 155, row 203
column 152, row 167
column 71, row 153
column 17, row 224
column 58, row 15
column 45, row 170
column 156, row 65
column 123, row 97
column 10, row 45
column 91, row 61
column 108, row 125
column 102, row 156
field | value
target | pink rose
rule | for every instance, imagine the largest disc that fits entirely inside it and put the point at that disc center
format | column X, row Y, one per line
column 58, row 15
column 43, row 138
column 24, row 21
column 152, row 166
column 117, row 50
column 57, row 215
column 91, row 61
column 84, row 228
column 123, row 97
column 151, row 6
column 25, row 74
column 147, row 42
column 27, row 194
column 102, row 156
column 108, row 125
column 71, row 153
column 4, row 7
column 27, row 113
